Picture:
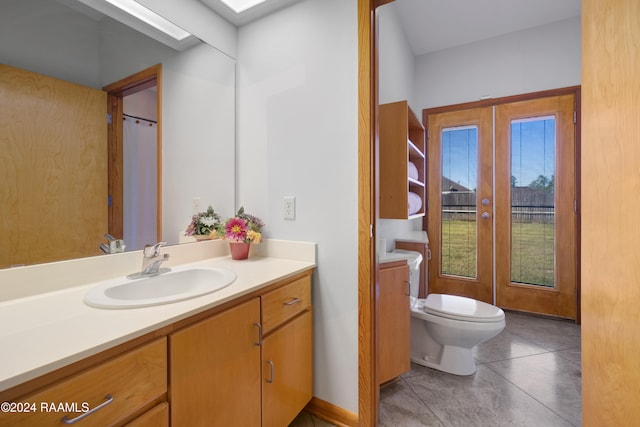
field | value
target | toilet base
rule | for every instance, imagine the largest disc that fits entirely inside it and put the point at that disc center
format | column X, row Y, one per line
column 453, row 360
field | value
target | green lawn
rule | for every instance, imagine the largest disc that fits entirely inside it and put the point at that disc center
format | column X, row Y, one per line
column 532, row 247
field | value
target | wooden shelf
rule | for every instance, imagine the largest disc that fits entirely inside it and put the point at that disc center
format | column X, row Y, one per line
column 402, row 141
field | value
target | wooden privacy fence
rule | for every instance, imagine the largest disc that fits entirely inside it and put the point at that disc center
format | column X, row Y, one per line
column 527, row 206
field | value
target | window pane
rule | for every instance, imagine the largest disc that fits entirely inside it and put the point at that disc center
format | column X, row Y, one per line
column 532, row 201
column 459, row 182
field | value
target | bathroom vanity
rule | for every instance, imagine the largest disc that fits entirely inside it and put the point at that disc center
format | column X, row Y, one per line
column 240, row 356
column 393, row 320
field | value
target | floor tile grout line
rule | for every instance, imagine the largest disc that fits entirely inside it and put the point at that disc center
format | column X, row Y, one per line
column 569, row 359
column 511, row 358
column 527, row 393
column 538, row 344
column 426, row 405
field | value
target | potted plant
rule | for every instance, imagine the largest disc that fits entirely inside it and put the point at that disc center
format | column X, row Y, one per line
column 204, row 225
column 241, row 231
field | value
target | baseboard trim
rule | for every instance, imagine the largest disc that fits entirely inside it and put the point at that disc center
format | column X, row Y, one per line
column 331, row 413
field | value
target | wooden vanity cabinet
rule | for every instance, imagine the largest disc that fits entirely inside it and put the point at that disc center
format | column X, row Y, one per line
column 394, row 320
column 249, row 365
column 158, row 416
column 215, row 369
column 124, row 386
column 287, row 352
column 402, row 141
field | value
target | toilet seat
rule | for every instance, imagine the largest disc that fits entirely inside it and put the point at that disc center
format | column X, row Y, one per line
column 460, row 308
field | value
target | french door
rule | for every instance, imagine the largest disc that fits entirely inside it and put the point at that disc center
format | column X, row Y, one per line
column 502, row 220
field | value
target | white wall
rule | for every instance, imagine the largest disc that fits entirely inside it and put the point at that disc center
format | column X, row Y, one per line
column 50, row 39
column 396, row 65
column 546, row 57
column 396, row 62
column 297, row 136
column 198, row 136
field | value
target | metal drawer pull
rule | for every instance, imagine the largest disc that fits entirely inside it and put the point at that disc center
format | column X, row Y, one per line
column 108, row 399
column 270, row 380
column 259, row 326
column 293, row 301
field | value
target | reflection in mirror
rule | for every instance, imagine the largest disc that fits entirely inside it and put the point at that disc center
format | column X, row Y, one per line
column 77, row 47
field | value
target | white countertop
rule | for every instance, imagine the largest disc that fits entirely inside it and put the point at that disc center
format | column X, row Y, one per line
column 392, row 257
column 44, row 332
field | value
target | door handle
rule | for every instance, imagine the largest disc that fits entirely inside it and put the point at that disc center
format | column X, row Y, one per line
column 485, row 215
column 270, row 363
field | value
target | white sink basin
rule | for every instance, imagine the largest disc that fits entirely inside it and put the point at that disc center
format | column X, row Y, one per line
column 176, row 285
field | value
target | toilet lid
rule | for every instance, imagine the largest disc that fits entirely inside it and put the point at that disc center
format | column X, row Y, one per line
column 461, row 308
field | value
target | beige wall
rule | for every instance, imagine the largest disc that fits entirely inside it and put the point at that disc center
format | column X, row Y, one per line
column 610, row 202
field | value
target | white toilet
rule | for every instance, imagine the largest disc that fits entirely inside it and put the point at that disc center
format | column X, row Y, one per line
column 445, row 328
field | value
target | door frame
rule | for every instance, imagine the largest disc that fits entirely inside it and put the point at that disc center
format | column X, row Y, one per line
column 368, row 389
column 116, row 92
column 368, row 392
column 571, row 90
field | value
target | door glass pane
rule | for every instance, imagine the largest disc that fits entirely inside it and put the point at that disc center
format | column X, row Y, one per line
column 532, row 201
column 459, row 183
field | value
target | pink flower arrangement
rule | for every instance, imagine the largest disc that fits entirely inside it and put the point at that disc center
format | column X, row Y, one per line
column 243, row 227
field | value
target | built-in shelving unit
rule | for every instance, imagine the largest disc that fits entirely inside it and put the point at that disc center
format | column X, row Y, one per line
column 402, row 144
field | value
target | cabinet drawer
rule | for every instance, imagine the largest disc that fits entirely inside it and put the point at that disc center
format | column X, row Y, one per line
column 283, row 303
column 122, row 385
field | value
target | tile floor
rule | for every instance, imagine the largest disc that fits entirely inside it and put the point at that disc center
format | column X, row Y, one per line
column 529, row 375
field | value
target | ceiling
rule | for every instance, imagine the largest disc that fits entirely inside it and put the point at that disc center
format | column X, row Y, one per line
column 432, row 25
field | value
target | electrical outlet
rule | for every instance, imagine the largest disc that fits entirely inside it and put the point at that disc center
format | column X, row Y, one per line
column 195, row 205
column 289, row 207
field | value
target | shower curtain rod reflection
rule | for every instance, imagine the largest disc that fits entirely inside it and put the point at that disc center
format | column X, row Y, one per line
column 139, row 118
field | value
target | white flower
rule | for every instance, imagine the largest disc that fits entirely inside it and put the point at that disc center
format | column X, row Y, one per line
column 208, row 221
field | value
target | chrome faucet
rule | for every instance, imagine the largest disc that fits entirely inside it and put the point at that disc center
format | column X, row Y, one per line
column 151, row 260
column 114, row 246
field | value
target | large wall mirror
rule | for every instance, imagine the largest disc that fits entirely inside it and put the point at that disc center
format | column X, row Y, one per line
column 69, row 42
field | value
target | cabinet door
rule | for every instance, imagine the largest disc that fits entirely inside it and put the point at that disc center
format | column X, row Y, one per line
column 394, row 322
column 158, row 416
column 287, row 366
column 215, row 370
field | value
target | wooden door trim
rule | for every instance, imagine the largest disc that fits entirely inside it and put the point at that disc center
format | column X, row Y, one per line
column 116, row 91
column 497, row 101
column 368, row 391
